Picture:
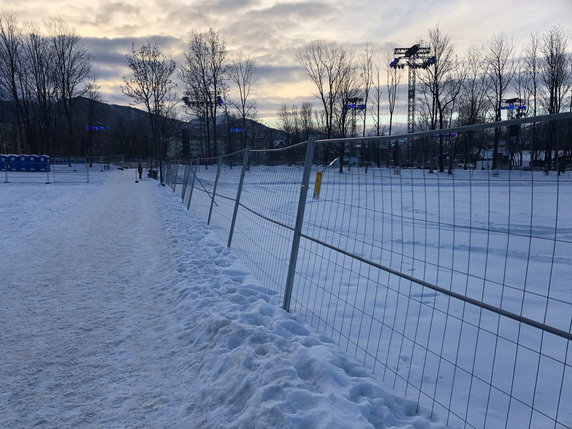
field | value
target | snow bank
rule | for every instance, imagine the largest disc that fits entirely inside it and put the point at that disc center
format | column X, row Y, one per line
column 120, row 309
column 254, row 365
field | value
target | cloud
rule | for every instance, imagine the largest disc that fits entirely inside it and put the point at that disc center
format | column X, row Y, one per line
column 112, row 51
column 272, row 31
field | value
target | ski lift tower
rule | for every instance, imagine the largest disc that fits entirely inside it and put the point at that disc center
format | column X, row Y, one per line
column 415, row 57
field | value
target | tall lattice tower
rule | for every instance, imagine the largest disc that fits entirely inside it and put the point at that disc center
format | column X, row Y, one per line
column 415, row 57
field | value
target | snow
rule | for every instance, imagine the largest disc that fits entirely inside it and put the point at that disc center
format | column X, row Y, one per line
column 503, row 239
column 121, row 309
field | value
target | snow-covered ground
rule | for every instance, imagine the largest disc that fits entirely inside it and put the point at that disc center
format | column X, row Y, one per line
column 120, row 309
column 503, row 239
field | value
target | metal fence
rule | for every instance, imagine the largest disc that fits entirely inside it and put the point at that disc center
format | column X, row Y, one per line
column 453, row 286
column 64, row 172
column 72, row 170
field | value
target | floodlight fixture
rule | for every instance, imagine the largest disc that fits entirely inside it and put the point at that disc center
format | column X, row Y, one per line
column 416, row 57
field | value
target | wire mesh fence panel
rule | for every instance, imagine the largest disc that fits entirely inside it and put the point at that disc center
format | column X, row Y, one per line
column 230, row 169
column 55, row 173
column 442, row 260
column 394, row 260
column 265, row 222
column 194, row 181
column 226, row 193
column 203, row 186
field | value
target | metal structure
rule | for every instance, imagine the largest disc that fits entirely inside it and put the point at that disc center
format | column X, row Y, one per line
column 515, row 107
column 453, row 289
column 415, row 57
column 354, row 104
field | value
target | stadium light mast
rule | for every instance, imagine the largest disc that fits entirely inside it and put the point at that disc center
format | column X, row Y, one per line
column 415, row 57
column 514, row 107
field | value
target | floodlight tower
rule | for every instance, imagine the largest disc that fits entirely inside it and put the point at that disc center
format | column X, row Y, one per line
column 513, row 105
column 415, row 57
column 354, row 104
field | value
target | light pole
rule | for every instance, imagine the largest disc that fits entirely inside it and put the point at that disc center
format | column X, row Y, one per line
column 515, row 107
column 416, row 57
column 353, row 104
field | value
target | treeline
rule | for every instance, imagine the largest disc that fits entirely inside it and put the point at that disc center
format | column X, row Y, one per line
column 42, row 71
column 215, row 86
column 358, row 91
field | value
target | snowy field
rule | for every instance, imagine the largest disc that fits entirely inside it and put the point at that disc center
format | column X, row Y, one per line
column 505, row 240
column 120, row 309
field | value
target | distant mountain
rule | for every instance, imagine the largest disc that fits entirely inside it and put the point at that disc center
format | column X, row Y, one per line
column 88, row 111
column 126, row 130
column 112, row 115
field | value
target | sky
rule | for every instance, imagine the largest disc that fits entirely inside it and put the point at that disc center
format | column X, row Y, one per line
column 273, row 31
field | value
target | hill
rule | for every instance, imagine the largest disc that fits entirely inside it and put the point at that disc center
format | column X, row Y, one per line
column 104, row 129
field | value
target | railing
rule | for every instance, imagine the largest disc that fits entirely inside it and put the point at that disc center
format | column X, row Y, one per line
column 455, row 287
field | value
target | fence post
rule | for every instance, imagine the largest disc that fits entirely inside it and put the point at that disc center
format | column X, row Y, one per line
column 185, row 180
column 299, row 222
column 167, row 167
column 169, row 178
column 175, row 175
column 238, row 192
column 193, row 184
column 214, row 189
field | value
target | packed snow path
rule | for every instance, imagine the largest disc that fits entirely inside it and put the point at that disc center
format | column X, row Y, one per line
column 84, row 325
column 118, row 309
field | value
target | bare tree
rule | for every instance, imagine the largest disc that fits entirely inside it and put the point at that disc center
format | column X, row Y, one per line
column 348, row 92
column 345, row 110
column 393, row 75
column 473, row 101
column 203, row 73
column 440, row 85
column 531, row 84
column 241, row 73
column 367, row 66
column 555, row 73
column 555, row 76
column 532, row 71
column 326, row 65
column 73, row 66
column 285, row 122
column 94, row 98
column 10, row 70
column 376, row 99
column 500, row 70
column 473, row 105
column 150, row 84
column 39, row 60
column 307, row 125
column 289, row 123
